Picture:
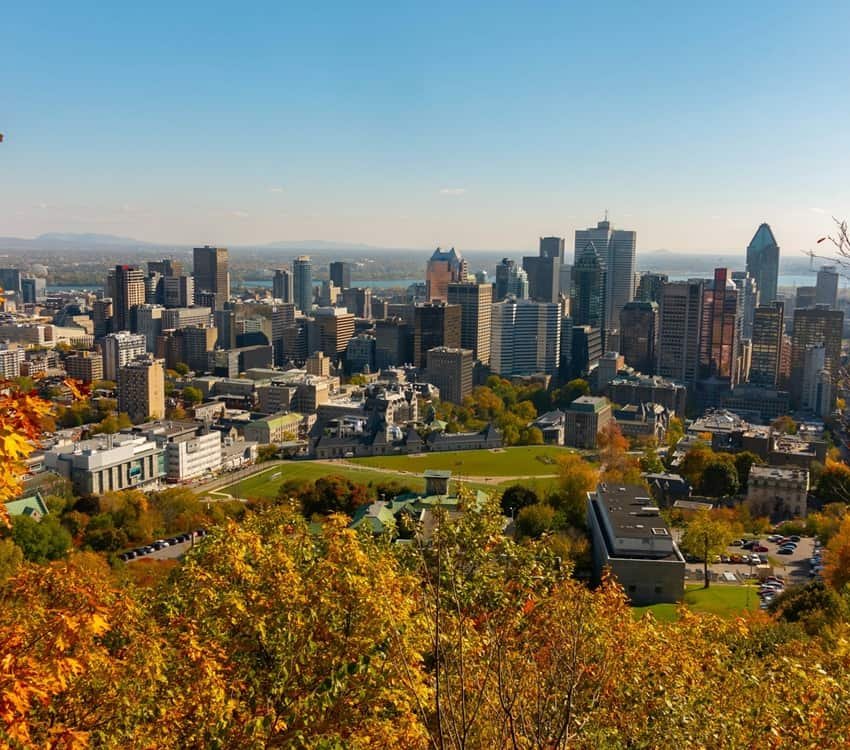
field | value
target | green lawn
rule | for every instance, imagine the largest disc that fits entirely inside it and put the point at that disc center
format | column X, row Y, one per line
column 719, row 599
column 521, row 461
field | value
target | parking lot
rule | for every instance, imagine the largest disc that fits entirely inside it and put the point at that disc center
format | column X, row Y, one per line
column 795, row 568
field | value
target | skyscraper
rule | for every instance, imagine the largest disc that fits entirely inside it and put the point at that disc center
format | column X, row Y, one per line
column 768, row 328
column 475, row 302
column 511, row 279
column 526, row 338
column 434, row 324
column 443, row 267
column 679, row 319
column 212, row 273
column 178, row 291
column 544, row 270
column 282, row 285
column 129, row 288
column 451, row 371
column 812, row 327
column 639, row 335
column 749, row 300
column 302, row 269
column 827, row 287
column 719, row 331
column 616, row 248
column 763, row 263
column 589, row 283
column 340, row 274
column 650, row 286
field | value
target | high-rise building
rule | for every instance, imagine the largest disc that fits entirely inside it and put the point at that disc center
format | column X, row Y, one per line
column 129, row 291
column 360, row 354
column 33, row 289
column 805, row 296
column 616, row 249
column 120, row 348
column 719, row 331
column 178, row 291
column 197, row 342
column 358, row 300
column 10, row 279
column 476, row 301
column 827, row 287
column 763, row 263
column 225, row 324
column 749, row 297
column 552, row 247
column 434, row 324
column 336, row 328
column 141, row 389
column 544, row 277
column 588, row 305
column 679, row 320
column 165, row 267
column 444, row 267
column 451, row 371
column 639, row 335
column 585, row 350
column 148, row 322
column 393, row 342
column 812, row 327
column 340, row 274
column 86, row 367
column 526, row 337
column 768, row 330
column 302, row 270
column 102, row 317
column 817, row 382
column 511, row 279
column 180, row 317
column 282, row 285
column 649, row 287
column 212, row 273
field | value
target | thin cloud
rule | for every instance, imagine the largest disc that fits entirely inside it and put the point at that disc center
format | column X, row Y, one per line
column 239, row 214
column 275, row 189
column 452, row 191
column 817, row 211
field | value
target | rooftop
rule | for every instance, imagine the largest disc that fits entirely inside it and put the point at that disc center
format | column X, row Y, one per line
column 631, row 511
column 588, row 404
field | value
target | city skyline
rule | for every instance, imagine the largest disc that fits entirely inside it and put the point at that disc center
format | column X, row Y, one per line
column 430, row 133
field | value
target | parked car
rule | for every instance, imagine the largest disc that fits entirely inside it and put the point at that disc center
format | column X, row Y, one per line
column 748, row 544
column 737, row 543
column 759, row 548
column 785, row 551
column 794, row 538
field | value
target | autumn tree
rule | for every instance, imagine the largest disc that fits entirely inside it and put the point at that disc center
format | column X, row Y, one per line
column 785, row 424
column 576, row 477
column 534, row 520
column 834, row 482
column 837, row 557
column 705, row 537
column 617, row 464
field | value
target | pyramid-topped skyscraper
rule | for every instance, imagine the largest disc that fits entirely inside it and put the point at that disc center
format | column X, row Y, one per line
column 763, row 263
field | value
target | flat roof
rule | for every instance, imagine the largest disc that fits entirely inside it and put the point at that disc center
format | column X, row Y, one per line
column 631, row 511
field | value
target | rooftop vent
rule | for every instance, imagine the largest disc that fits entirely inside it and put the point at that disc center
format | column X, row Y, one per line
column 660, row 532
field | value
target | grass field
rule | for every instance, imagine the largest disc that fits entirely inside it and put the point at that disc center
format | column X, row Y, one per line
column 522, row 461
column 718, row 599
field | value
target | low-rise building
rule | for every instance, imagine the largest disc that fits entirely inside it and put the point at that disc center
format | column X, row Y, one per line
column 585, row 418
column 191, row 450
column 552, row 425
column 641, row 389
column 630, row 538
column 645, row 421
column 273, row 428
column 778, row 492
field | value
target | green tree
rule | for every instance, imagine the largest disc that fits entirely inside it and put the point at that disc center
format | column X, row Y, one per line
column 675, row 431
column 705, row 537
column 568, row 393
column 11, row 557
column 744, row 461
column 535, row 520
column 42, row 540
column 192, row 395
column 182, row 369
column 267, row 453
column 719, row 477
column 516, row 497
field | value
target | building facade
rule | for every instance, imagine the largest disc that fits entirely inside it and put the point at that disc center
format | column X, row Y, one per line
column 476, row 302
column 763, row 263
column 451, row 371
column 526, row 338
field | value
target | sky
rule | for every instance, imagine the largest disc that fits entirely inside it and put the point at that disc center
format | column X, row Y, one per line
column 478, row 125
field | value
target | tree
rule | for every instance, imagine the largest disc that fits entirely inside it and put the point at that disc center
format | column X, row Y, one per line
column 534, row 520
column 837, row 558
column 694, row 463
column 568, row 393
column 814, row 605
column 617, row 464
column 785, row 424
column 516, row 497
column 192, row 395
column 650, row 462
column 182, row 369
column 267, row 453
column 11, row 558
column 744, row 461
column 719, row 477
column 675, row 431
column 577, row 477
column 42, row 540
column 834, row 482
column 706, row 537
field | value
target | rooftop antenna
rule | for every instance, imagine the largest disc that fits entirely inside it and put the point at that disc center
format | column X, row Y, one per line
column 606, row 214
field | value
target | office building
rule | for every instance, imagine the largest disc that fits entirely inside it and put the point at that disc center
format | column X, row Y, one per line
column 826, row 289
column 178, row 291
column 616, row 250
column 817, row 394
column 393, row 343
column 814, row 326
column 608, row 367
column 128, row 291
column 650, row 286
column 630, row 539
column 148, row 322
column 190, row 450
column 86, row 367
column 211, row 270
column 719, row 331
column 120, row 348
column 335, row 328
column 434, row 324
column 511, row 280
column 10, row 279
column 443, row 268
column 639, row 335
column 197, row 342
column 588, row 305
column 340, row 274
column 476, row 302
column 360, row 354
column 552, row 247
column 763, row 263
column 358, row 300
column 451, row 371
column 33, row 289
column 767, row 338
column 805, row 296
column 141, row 389
column 749, row 298
column 102, row 317
column 181, row 317
column 302, row 271
column 646, row 389
column 282, row 285
column 544, row 270
column 526, row 338
column 166, row 267
column 585, row 418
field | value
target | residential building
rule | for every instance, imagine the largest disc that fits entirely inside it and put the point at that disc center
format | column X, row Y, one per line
column 763, row 263
column 451, row 371
column 283, row 285
column 780, row 493
column 128, row 291
column 526, row 337
column 476, row 302
column 814, row 326
column 141, row 389
column 511, row 280
column 86, row 367
column 435, row 324
column 639, row 335
column 10, row 362
column 585, row 418
column 443, row 268
column 826, row 289
column 340, row 274
column 120, row 348
column 630, row 539
column 211, row 269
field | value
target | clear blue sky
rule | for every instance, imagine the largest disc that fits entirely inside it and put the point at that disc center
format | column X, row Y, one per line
column 416, row 124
